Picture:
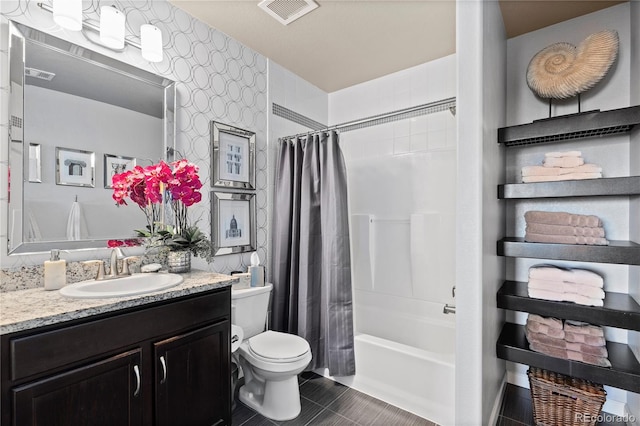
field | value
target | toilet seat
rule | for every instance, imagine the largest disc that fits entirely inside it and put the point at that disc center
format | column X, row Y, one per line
column 276, row 347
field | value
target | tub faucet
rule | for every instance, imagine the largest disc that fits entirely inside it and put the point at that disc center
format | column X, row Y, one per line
column 448, row 309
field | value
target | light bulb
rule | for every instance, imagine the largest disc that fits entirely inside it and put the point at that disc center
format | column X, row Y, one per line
column 112, row 27
column 68, row 14
column 151, row 42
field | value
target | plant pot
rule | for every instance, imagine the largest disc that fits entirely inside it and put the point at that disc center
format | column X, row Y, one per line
column 179, row 261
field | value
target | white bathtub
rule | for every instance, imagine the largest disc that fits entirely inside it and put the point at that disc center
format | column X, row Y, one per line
column 410, row 362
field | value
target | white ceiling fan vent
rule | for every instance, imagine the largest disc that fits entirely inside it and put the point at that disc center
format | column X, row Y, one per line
column 287, row 11
column 36, row 73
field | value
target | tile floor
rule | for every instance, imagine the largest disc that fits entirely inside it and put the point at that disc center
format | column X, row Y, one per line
column 517, row 410
column 325, row 402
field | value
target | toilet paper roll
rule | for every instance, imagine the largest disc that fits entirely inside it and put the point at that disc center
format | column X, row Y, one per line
column 236, row 337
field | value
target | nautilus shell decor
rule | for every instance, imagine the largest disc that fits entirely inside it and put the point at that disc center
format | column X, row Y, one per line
column 562, row 70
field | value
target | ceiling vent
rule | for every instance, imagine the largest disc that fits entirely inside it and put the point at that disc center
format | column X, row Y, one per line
column 287, row 11
column 36, row 73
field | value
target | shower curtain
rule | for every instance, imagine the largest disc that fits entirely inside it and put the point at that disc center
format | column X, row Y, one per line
column 311, row 262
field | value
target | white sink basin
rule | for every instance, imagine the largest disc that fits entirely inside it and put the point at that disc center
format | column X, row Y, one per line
column 121, row 287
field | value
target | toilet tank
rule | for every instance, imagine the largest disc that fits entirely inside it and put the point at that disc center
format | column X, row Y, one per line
column 249, row 307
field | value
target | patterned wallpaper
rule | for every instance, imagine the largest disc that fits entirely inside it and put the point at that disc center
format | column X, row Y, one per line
column 218, row 79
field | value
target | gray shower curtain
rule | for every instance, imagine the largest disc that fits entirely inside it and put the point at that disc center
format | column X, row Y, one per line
column 311, row 265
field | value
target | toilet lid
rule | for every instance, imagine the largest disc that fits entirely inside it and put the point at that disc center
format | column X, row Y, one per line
column 275, row 345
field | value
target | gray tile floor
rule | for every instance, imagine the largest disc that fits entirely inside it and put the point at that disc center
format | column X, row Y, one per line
column 325, row 402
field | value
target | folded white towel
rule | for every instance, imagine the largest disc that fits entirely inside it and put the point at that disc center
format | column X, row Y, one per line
column 564, row 297
column 563, row 161
column 569, row 176
column 557, row 171
column 557, row 154
column 567, row 287
column 554, row 273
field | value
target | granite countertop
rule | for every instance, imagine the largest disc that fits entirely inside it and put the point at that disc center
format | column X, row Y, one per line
column 32, row 308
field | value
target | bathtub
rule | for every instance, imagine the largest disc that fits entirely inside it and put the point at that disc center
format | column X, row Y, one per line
column 405, row 357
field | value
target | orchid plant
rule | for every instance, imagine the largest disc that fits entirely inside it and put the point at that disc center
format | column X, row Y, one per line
column 179, row 184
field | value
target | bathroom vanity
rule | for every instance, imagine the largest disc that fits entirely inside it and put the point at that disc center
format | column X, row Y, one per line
column 155, row 359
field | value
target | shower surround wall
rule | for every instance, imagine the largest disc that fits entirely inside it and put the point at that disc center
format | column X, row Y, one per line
column 217, row 79
column 402, row 184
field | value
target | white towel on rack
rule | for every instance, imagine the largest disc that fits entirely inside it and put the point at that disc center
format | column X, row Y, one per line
column 73, row 222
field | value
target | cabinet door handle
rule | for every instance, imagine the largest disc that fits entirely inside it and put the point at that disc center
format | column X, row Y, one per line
column 136, row 370
column 164, row 370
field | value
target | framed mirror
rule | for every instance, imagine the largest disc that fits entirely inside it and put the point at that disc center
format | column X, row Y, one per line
column 73, row 114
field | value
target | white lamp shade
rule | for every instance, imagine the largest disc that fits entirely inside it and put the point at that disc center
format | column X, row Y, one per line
column 68, row 14
column 151, row 42
column 112, row 27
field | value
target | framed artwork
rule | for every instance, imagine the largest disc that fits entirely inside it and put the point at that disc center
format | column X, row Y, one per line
column 234, row 157
column 114, row 164
column 233, row 222
column 35, row 166
column 75, row 167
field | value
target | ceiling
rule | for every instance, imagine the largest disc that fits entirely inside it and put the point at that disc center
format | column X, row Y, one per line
column 346, row 42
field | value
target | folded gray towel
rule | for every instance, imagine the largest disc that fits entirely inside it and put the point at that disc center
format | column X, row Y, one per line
column 583, row 231
column 538, row 327
column 587, row 329
column 562, row 218
column 549, row 322
column 584, row 339
column 567, row 354
column 565, row 239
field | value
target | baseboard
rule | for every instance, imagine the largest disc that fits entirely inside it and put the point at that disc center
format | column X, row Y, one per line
column 497, row 404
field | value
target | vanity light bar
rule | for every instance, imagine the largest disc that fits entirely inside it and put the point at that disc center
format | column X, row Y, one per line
column 152, row 53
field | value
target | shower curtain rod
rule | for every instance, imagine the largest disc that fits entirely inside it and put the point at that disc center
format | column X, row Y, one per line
column 437, row 106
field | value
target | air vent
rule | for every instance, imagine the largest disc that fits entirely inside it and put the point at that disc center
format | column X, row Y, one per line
column 36, row 73
column 287, row 11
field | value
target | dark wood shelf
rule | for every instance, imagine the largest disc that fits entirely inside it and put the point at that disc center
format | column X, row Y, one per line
column 618, row 186
column 571, row 127
column 512, row 346
column 620, row 310
column 617, row 252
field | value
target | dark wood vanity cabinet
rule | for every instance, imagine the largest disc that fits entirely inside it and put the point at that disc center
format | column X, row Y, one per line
column 167, row 363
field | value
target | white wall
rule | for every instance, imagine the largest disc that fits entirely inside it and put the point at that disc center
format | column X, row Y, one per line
column 481, row 82
column 633, row 399
column 612, row 153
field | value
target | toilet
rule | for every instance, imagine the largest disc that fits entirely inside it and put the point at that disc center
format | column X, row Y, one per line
column 270, row 360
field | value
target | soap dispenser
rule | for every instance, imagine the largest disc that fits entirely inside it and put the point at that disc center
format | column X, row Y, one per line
column 256, row 271
column 55, row 272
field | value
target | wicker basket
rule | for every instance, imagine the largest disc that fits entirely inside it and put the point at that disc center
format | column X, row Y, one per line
column 564, row 401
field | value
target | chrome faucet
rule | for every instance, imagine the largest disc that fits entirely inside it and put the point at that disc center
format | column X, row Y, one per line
column 113, row 265
column 113, row 262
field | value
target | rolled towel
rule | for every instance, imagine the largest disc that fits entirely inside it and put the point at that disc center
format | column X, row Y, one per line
column 562, row 218
column 564, row 287
column 563, row 161
column 555, row 273
column 549, row 322
column 583, row 231
column 564, row 297
column 537, row 327
column 558, row 154
column 572, row 355
column 583, row 328
column 584, row 339
column 558, row 171
column 565, row 239
column 589, row 359
column 569, row 176
column 543, row 339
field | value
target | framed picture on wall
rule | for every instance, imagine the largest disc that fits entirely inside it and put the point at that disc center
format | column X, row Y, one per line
column 233, row 157
column 115, row 164
column 75, row 167
column 233, row 222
